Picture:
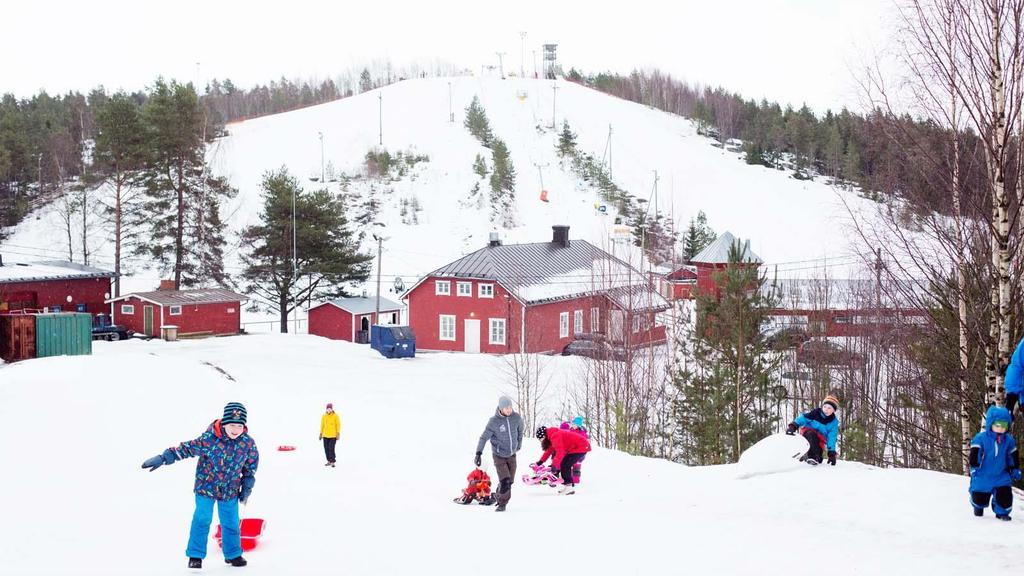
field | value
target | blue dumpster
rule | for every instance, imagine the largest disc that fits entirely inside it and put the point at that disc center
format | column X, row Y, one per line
column 393, row 341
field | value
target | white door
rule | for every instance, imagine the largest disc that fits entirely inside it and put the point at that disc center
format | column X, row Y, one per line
column 471, row 332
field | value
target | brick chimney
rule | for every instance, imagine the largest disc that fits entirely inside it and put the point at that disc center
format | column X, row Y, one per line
column 166, row 285
column 560, row 236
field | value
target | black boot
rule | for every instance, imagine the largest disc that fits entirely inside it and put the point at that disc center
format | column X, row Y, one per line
column 500, row 508
column 1004, row 517
column 195, row 562
column 979, row 511
column 239, row 561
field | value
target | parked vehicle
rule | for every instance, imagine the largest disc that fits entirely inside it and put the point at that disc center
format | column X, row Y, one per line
column 825, row 353
column 104, row 329
column 596, row 346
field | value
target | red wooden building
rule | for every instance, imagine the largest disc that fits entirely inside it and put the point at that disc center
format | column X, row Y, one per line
column 194, row 312
column 685, row 282
column 56, row 286
column 350, row 318
column 533, row 298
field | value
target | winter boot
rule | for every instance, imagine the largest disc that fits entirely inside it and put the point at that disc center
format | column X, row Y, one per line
column 979, row 512
column 332, row 464
column 238, row 562
column 812, row 462
column 464, row 499
column 1004, row 517
column 195, row 562
column 328, row 464
column 500, row 508
column 567, row 489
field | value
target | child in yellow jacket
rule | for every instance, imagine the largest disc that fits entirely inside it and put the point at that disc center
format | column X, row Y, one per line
column 330, row 429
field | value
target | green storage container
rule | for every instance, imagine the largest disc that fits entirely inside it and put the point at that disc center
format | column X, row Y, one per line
column 65, row 334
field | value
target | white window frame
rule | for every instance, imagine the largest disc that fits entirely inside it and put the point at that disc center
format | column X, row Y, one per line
column 488, row 294
column 636, row 324
column 170, row 310
column 467, row 285
column 577, row 322
column 441, row 333
column 447, row 291
column 595, row 319
column 563, row 325
column 128, row 309
column 496, row 327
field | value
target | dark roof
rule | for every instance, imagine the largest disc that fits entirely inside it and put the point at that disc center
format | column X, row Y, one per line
column 11, row 272
column 545, row 271
column 176, row 297
column 363, row 305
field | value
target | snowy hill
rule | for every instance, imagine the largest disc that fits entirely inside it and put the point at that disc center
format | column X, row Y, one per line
column 75, row 500
column 789, row 222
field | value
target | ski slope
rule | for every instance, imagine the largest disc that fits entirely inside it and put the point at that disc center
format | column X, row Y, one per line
column 75, row 501
column 801, row 226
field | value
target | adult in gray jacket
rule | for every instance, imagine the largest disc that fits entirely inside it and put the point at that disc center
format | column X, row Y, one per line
column 505, row 432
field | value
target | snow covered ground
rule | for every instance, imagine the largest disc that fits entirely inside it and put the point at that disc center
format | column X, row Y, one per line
column 74, row 500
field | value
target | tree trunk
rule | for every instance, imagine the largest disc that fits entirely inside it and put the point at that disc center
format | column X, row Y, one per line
column 179, row 233
column 117, row 231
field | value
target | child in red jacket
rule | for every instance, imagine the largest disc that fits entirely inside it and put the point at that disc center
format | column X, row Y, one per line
column 569, row 448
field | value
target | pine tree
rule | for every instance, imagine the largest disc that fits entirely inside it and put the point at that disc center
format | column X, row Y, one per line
column 697, row 237
column 182, row 201
column 503, row 185
column 566, row 141
column 327, row 254
column 477, row 124
column 728, row 382
column 118, row 156
column 480, row 166
column 365, row 82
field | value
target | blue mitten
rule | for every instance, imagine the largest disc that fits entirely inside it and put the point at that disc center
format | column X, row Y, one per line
column 1015, row 474
column 155, row 462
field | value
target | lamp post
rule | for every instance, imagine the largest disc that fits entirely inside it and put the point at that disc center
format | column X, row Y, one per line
column 380, row 239
column 323, row 177
column 295, row 265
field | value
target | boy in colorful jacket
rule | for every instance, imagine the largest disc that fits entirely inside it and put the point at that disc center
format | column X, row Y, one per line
column 225, row 475
column 1015, row 377
column 330, row 429
column 821, row 428
column 994, row 465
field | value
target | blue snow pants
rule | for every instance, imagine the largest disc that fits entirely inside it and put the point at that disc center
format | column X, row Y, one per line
column 227, row 512
column 1002, row 500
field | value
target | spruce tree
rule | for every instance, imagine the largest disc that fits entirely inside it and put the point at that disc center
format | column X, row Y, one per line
column 365, row 82
column 503, row 185
column 566, row 141
column 477, row 124
column 327, row 254
column 182, row 200
column 697, row 237
column 480, row 166
column 728, row 381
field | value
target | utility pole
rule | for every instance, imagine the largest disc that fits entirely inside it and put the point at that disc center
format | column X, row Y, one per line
column 380, row 118
column 451, row 111
column 376, row 314
column 501, row 65
column 295, row 265
column 554, row 94
column 323, row 178
column 609, row 151
column 522, row 54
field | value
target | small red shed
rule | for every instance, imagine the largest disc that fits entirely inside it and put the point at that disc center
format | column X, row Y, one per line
column 350, row 318
column 715, row 258
column 54, row 285
column 213, row 312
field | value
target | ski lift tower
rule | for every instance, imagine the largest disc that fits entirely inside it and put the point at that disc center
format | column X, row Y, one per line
column 549, row 60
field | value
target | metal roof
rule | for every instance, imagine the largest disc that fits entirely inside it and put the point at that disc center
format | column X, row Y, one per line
column 176, row 297
column 718, row 251
column 359, row 305
column 11, row 272
column 546, row 271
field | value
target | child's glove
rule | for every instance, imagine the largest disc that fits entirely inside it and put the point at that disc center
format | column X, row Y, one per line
column 791, row 429
column 832, row 457
column 1015, row 474
column 157, row 461
column 476, row 460
column 538, row 464
column 320, row 437
column 243, row 495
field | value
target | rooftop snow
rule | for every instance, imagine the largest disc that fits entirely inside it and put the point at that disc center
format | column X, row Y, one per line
column 174, row 297
column 12, row 272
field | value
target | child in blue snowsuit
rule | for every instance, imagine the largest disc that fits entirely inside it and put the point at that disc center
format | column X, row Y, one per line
column 821, row 429
column 994, row 465
column 225, row 475
column 1015, row 377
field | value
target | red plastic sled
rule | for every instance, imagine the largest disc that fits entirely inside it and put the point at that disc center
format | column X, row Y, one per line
column 252, row 529
column 285, row 448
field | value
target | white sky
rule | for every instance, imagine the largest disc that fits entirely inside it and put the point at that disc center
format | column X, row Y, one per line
column 788, row 50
